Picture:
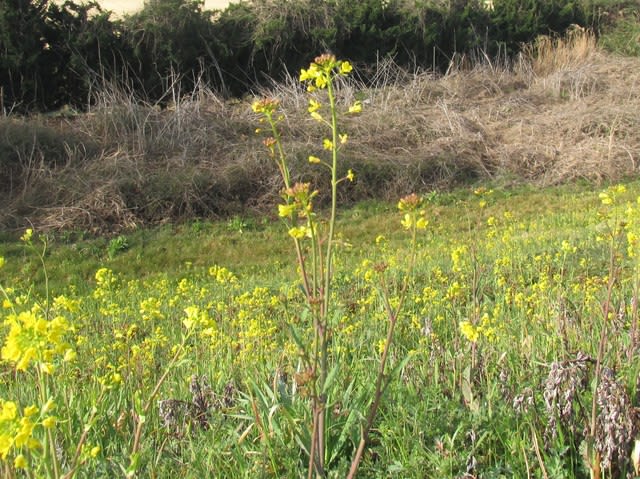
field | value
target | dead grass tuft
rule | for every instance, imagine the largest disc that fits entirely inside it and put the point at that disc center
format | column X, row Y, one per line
column 562, row 111
column 548, row 55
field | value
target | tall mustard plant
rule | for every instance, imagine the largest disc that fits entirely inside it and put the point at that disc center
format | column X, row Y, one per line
column 307, row 231
column 612, row 234
column 413, row 220
column 36, row 343
column 39, row 342
column 191, row 322
column 314, row 243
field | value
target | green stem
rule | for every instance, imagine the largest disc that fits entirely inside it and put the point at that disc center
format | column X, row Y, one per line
column 603, row 337
column 326, row 284
column 315, row 255
column 51, row 446
column 140, row 423
column 634, row 315
column 83, row 438
column 282, row 162
column 381, row 382
column 334, row 194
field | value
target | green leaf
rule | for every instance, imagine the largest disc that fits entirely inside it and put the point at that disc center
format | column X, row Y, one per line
column 134, row 463
column 331, row 377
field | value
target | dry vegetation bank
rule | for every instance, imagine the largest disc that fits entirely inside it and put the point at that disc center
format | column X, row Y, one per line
column 563, row 111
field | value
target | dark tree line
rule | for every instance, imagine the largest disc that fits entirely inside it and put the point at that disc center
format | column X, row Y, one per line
column 57, row 54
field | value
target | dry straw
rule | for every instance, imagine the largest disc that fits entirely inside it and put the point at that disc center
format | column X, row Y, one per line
column 561, row 111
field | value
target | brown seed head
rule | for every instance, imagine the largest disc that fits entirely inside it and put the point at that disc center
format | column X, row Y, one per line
column 325, row 60
column 410, row 202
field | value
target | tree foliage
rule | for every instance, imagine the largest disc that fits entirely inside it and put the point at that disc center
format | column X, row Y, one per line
column 55, row 54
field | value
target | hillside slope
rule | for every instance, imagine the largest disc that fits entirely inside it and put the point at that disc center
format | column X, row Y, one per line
column 561, row 112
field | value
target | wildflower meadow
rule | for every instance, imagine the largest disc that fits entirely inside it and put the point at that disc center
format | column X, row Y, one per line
column 485, row 332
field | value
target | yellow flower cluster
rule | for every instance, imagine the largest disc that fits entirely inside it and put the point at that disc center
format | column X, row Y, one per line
column 483, row 194
column 322, row 69
column 299, row 205
column 222, row 275
column 299, row 201
column 610, row 196
column 632, row 230
column 469, row 331
column 17, row 430
column 487, row 327
column 266, row 106
column 34, row 339
column 105, row 281
column 414, row 214
column 151, row 309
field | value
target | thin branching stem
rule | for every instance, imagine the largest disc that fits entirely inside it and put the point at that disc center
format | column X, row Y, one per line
column 382, row 382
column 83, row 438
column 140, row 422
column 606, row 309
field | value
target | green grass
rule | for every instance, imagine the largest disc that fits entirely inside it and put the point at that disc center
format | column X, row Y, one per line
column 176, row 250
column 501, row 266
column 623, row 37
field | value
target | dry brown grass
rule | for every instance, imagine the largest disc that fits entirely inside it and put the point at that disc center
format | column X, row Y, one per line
column 563, row 111
column 548, row 55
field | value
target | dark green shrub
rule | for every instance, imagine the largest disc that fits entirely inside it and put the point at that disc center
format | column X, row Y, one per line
column 55, row 54
column 52, row 54
column 514, row 23
column 174, row 48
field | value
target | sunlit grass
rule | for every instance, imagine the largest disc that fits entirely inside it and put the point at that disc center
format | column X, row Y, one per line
column 508, row 282
column 177, row 249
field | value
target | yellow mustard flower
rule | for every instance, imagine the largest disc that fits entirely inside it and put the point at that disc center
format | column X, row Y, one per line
column 30, row 410
column 322, row 70
column 469, row 331
column 49, row 422
column 350, row 175
column 314, row 105
column 28, row 234
column 33, row 338
column 47, row 368
column 222, row 275
column 287, row 211
column 309, row 74
column 422, row 223
column 345, row 67
column 356, row 107
column 8, row 410
column 605, row 198
column 300, row 232
column 20, row 462
column 410, row 202
column 267, row 106
column 24, row 433
column 407, row 221
column 317, row 116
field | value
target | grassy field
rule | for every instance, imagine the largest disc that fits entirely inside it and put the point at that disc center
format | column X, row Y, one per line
column 513, row 293
column 488, row 330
